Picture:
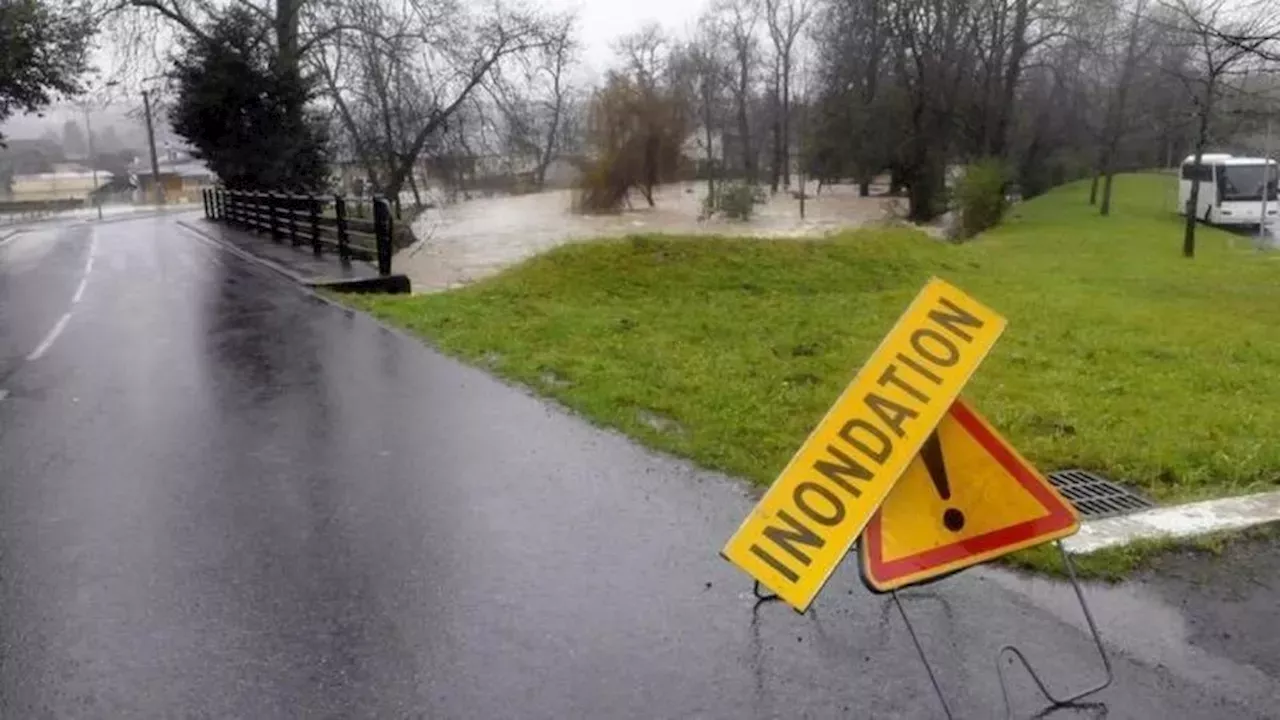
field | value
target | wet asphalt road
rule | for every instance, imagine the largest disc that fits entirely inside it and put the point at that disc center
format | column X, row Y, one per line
column 222, row 497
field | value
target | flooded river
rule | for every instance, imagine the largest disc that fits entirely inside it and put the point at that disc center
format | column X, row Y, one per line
column 473, row 239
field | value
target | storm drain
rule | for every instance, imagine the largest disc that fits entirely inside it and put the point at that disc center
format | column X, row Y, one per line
column 1095, row 496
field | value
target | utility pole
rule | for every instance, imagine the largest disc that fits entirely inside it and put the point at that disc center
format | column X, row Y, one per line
column 93, row 161
column 1263, row 240
column 151, row 141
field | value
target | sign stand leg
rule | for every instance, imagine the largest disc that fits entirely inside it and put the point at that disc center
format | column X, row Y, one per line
column 762, row 597
column 923, row 658
column 1014, row 652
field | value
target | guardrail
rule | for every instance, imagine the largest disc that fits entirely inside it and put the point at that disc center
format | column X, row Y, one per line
column 321, row 221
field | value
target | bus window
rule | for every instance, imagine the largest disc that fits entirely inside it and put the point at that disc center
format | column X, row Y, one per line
column 1203, row 173
column 1244, row 182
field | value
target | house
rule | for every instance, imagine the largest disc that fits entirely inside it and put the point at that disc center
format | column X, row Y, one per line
column 181, row 180
column 67, row 182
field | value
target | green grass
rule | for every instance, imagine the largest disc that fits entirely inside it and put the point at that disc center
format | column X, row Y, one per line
column 1121, row 356
column 1118, row 563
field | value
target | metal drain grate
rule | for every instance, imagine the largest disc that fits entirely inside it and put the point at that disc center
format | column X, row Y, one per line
column 1095, row 496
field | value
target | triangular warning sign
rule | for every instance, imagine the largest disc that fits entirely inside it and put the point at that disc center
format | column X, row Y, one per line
column 968, row 497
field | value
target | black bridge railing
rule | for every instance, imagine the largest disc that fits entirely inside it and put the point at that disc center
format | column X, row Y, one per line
column 325, row 222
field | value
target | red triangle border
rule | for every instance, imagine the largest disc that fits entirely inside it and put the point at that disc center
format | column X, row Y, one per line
column 1059, row 517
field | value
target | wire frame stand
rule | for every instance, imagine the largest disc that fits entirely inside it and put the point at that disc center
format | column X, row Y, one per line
column 924, row 659
column 762, row 594
column 1013, row 652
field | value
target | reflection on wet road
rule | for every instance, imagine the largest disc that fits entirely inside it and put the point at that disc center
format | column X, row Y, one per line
column 222, row 497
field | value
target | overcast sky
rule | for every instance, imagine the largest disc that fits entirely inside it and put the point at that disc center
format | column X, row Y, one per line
column 600, row 22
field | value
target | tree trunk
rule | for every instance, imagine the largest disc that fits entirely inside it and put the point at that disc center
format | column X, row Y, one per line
column 923, row 192
column 744, row 125
column 707, row 133
column 417, row 198
column 864, row 188
column 785, row 150
column 1000, row 135
column 1116, row 112
column 896, row 181
column 286, row 28
column 1107, row 175
column 774, row 169
column 548, row 151
column 927, row 173
column 1193, row 202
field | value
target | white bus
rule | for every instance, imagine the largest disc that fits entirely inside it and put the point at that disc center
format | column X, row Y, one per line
column 1230, row 189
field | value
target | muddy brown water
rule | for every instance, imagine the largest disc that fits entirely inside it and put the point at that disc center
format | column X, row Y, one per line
column 474, row 239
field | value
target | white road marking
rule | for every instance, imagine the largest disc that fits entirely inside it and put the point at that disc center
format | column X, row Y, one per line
column 88, row 265
column 3, row 394
column 50, row 338
column 1177, row 522
column 80, row 290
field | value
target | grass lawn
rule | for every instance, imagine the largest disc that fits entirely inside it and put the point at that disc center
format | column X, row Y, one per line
column 1121, row 356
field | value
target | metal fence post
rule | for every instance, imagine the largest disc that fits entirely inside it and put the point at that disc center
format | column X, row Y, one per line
column 204, row 198
column 382, row 229
column 344, row 242
column 313, row 207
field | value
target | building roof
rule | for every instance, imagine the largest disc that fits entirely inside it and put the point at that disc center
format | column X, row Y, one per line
column 181, row 168
column 87, row 176
column 1226, row 159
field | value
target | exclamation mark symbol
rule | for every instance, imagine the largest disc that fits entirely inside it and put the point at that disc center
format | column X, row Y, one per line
column 931, row 453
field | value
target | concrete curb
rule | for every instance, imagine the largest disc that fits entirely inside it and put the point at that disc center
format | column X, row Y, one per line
column 1179, row 521
column 390, row 285
column 5, row 238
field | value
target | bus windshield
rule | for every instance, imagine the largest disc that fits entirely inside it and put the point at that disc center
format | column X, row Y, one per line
column 1244, row 182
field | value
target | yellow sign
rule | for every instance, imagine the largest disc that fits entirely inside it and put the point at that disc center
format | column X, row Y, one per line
column 794, row 538
column 967, row 498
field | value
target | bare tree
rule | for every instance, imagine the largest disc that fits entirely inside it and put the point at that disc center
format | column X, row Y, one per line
column 854, row 116
column 1135, row 49
column 559, row 57
column 1223, row 41
column 703, row 67
column 536, row 99
column 786, row 20
column 740, row 19
column 419, row 65
column 932, row 57
column 645, row 54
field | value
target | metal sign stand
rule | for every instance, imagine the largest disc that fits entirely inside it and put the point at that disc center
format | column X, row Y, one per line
column 924, row 659
column 1014, row 652
column 763, row 596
